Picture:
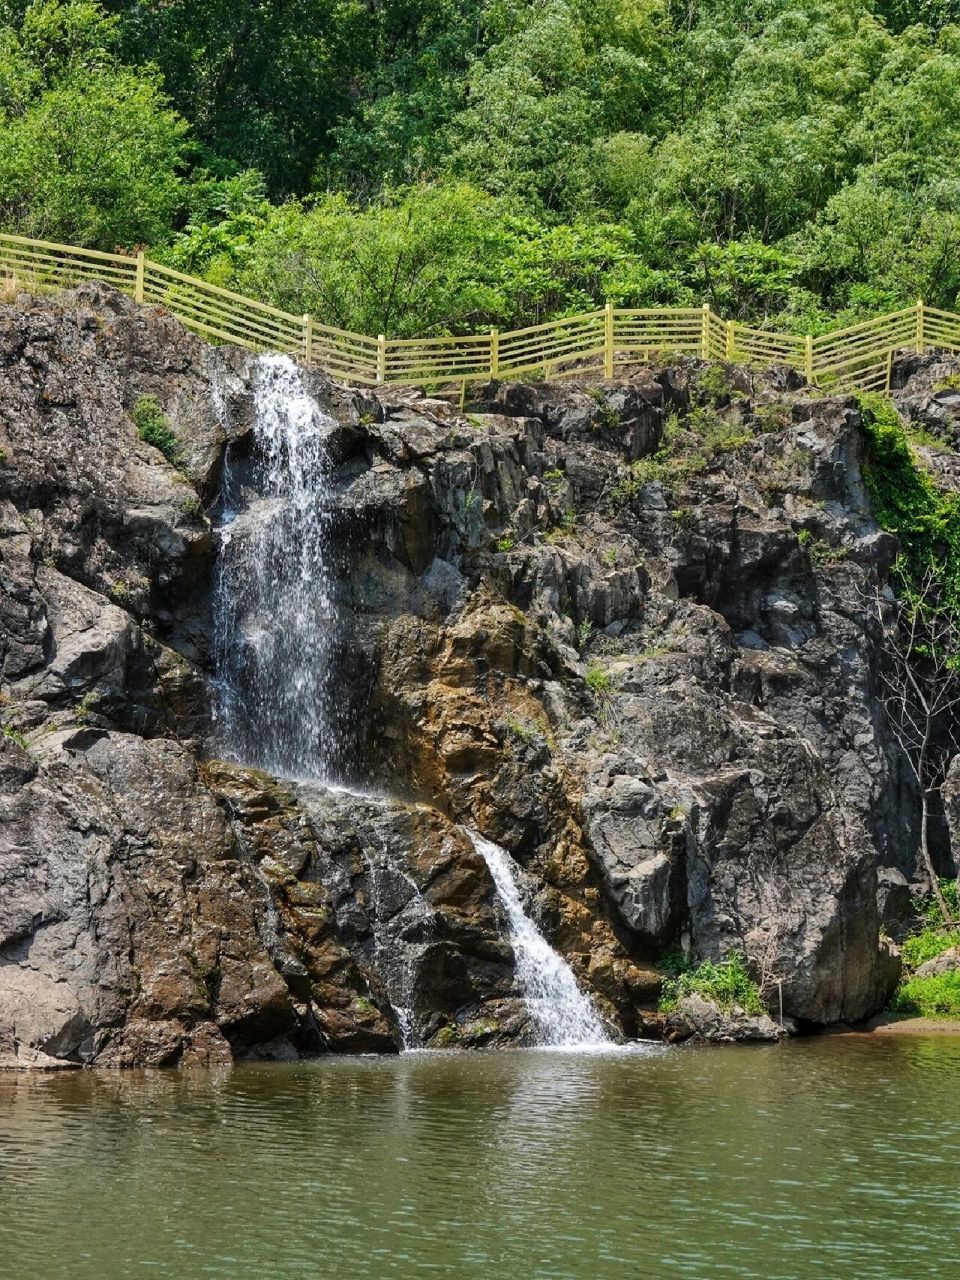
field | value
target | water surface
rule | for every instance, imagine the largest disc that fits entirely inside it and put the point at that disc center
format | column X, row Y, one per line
column 819, row 1159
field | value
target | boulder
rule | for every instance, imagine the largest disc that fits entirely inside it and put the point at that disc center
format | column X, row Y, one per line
column 946, row 962
column 696, row 1018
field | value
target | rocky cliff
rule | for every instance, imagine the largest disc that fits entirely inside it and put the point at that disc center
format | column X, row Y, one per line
column 651, row 679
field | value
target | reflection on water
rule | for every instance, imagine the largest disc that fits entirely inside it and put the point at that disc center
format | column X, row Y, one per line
column 835, row 1157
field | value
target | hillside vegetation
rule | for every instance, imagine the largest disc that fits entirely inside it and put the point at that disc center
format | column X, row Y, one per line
column 447, row 165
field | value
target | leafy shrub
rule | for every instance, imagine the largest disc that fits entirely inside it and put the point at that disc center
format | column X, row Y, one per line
column 726, row 983
column 153, row 427
column 14, row 735
column 927, row 945
column 935, row 936
column 937, row 997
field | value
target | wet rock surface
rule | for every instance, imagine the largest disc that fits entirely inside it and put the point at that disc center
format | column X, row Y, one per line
column 654, row 686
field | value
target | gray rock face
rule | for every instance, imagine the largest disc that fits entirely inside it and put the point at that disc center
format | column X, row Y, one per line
column 651, row 691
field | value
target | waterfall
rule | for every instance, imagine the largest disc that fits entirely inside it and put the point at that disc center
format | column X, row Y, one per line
column 282, row 696
column 274, row 627
column 563, row 1015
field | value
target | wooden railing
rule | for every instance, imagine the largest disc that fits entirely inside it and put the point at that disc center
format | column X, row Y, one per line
column 860, row 357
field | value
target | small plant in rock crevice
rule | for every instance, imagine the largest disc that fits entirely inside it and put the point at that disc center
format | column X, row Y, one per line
column 153, row 427
column 15, row 736
column 713, row 382
column 818, row 550
column 599, row 680
column 84, row 708
column 772, row 417
column 689, row 445
column 565, row 529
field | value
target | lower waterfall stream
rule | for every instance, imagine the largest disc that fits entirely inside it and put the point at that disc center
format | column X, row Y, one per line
column 276, row 637
column 563, row 1015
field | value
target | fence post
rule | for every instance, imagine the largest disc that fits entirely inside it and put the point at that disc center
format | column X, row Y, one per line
column 608, row 340
column 494, row 352
column 381, row 358
column 920, row 326
column 808, row 359
column 138, row 279
column 731, row 339
column 705, row 333
column 308, row 338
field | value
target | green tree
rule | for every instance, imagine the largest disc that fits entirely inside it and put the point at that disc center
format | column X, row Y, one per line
column 89, row 151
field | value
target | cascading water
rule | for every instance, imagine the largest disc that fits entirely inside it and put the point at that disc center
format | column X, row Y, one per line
column 275, row 624
column 281, row 704
column 563, row 1015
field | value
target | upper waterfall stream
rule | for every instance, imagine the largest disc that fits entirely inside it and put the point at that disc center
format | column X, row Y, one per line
column 275, row 625
column 563, row 1015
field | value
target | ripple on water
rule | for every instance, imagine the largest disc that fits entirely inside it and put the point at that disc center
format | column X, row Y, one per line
column 823, row 1158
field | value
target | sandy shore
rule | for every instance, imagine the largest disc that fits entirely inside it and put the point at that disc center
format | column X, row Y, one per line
column 889, row 1026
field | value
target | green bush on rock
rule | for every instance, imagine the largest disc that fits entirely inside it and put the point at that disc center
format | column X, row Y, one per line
column 153, row 427
column 726, row 984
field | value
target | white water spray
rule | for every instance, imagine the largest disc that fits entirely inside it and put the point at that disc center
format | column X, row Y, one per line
column 275, row 627
column 563, row 1015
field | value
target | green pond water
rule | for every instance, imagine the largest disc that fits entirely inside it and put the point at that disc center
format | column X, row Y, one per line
column 837, row 1157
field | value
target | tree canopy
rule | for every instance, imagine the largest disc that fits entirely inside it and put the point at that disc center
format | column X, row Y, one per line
column 431, row 165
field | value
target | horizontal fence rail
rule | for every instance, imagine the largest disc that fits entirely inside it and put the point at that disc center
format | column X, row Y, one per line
column 857, row 358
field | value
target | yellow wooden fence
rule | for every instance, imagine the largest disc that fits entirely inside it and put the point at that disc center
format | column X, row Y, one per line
column 858, row 357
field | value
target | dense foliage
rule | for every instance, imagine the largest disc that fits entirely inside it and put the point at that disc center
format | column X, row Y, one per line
column 932, row 934
column 937, row 996
column 453, row 164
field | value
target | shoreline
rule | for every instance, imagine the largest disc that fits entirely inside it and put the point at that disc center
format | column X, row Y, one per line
column 890, row 1025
